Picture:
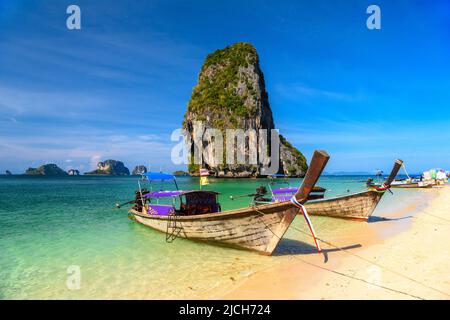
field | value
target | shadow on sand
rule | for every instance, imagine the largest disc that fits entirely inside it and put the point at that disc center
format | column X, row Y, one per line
column 294, row 247
column 381, row 219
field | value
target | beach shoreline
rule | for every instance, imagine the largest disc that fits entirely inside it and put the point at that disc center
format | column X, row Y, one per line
column 73, row 233
column 404, row 256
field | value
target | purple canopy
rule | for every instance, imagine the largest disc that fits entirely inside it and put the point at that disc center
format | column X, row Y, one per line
column 160, row 210
column 281, row 198
column 284, row 190
column 164, row 193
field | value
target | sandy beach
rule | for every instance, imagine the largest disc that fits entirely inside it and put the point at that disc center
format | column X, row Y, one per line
column 403, row 256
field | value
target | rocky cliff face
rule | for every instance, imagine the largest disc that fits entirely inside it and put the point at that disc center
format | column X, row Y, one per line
column 292, row 161
column 231, row 94
column 110, row 167
column 138, row 170
column 46, row 170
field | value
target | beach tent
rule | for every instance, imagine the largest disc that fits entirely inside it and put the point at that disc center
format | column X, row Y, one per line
column 427, row 175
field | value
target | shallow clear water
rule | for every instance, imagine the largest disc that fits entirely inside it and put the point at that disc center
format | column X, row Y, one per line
column 49, row 224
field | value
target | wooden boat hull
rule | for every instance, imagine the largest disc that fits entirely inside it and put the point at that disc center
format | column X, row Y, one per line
column 411, row 186
column 259, row 229
column 357, row 206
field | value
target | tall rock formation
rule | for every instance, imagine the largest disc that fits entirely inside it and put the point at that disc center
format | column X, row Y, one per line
column 231, row 94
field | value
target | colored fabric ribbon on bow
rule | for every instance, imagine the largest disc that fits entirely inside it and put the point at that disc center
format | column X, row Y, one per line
column 308, row 221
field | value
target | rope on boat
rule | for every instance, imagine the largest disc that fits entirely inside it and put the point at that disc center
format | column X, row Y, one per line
column 359, row 279
column 435, row 216
column 375, row 263
column 404, row 168
column 337, row 272
column 308, row 221
column 262, row 220
column 305, row 214
column 360, row 257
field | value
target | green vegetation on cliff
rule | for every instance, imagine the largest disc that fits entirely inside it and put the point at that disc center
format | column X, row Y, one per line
column 46, row 170
column 110, row 167
column 216, row 91
column 231, row 94
column 300, row 160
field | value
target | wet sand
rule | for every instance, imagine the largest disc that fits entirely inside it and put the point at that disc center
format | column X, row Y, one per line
column 404, row 255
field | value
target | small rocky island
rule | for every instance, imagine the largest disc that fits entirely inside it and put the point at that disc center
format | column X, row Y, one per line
column 46, row 170
column 8, row 173
column 138, row 170
column 111, row 168
column 73, row 172
column 231, row 94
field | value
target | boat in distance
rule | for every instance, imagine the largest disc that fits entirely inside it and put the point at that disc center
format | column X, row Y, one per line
column 411, row 184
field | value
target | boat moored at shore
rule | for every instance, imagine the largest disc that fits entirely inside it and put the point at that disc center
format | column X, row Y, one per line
column 196, row 214
column 357, row 206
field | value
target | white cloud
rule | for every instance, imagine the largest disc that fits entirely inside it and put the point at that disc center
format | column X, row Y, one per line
column 95, row 159
column 84, row 150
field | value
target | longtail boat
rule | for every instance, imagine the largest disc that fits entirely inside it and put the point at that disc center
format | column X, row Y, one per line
column 196, row 214
column 357, row 206
column 410, row 184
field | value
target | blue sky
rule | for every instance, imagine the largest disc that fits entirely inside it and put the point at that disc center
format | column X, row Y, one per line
column 119, row 86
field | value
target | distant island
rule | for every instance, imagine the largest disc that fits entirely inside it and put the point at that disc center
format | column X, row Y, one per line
column 111, row 168
column 138, row 170
column 46, row 170
column 8, row 173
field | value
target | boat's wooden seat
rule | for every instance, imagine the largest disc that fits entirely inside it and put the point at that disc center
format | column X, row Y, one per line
column 193, row 209
column 199, row 203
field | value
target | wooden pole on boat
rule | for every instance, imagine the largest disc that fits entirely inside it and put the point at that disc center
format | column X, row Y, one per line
column 318, row 163
column 243, row 196
column 122, row 204
column 397, row 165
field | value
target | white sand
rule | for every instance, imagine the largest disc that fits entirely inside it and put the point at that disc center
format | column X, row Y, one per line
column 414, row 264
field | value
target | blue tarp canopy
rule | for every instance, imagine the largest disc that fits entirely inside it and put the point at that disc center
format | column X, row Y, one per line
column 158, row 176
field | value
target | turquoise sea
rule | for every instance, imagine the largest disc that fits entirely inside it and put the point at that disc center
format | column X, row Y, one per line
column 49, row 226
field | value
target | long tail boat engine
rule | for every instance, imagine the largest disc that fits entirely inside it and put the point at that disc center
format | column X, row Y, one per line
column 260, row 192
column 138, row 201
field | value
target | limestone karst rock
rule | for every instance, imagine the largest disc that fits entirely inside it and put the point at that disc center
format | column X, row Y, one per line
column 46, row 170
column 231, row 94
column 110, row 167
column 138, row 170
